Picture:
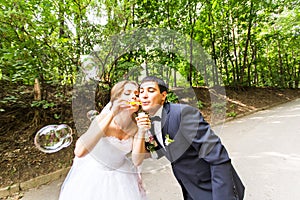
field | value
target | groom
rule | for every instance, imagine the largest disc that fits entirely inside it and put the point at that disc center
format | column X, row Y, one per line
column 199, row 161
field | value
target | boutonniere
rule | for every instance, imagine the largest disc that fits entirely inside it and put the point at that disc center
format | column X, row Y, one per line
column 150, row 142
column 168, row 140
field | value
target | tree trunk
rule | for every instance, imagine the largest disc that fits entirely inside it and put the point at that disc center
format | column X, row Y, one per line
column 37, row 97
column 247, row 44
column 281, row 75
column 270, row 69
column 298, row 77
column 296, row 73
column 236, row 64
column 214, row 56
column 37, row 90
column 191, row 61
column 175, row 78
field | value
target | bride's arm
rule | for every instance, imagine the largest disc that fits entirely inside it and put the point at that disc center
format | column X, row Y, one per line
column 139, row 152
column 96, row 130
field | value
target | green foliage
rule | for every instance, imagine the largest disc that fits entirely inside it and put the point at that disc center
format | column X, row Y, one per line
column 200, row 104
column 172, row 97
column 42, row 104
column 9, row 99
column 231, row 114
column 57, row 116
column 252, row 43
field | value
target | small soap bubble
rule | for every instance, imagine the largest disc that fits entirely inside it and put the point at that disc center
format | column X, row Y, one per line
column 90, row 68
column 53, row 138
column 92, row 114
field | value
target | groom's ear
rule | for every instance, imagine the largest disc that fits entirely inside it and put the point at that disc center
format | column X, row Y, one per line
column 164, row 95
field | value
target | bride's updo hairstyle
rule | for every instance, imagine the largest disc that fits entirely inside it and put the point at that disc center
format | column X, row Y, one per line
column 118, row 88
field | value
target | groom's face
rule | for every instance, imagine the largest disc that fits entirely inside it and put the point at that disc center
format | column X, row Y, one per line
column 151, row 97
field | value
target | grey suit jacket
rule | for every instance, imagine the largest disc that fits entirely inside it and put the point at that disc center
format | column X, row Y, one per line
column 200, row 162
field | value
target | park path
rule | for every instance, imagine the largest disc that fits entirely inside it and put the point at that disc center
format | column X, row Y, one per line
column 264, row 148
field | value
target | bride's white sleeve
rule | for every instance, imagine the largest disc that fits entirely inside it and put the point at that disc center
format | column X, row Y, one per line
column 90, row 138
column 106, row 108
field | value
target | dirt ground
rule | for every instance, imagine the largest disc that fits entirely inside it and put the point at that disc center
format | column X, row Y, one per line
column 21, row 160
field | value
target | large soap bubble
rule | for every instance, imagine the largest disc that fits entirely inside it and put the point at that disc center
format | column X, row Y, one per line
column 96, row 68
column 53, row 138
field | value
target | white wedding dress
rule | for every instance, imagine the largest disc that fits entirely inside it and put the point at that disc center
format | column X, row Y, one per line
column 106, row 173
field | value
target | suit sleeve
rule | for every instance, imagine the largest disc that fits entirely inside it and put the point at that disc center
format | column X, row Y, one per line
column 209, row 147
column 200, row 135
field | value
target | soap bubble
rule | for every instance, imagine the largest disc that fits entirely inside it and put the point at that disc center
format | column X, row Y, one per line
column 94, row 74
column 92, row 114
column 53, row 138
column 90, row 67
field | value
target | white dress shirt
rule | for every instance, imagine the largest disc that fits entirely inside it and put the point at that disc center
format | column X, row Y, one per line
column 157, row 127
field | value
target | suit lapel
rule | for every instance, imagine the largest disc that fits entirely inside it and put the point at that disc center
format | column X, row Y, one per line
column 165, row 120
column 152, row 131
column 164, row 129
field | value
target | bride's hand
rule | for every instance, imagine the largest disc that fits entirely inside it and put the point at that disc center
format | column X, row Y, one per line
column 118, row 105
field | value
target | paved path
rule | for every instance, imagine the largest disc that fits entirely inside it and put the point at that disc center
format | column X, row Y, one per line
column 264, row 148
column 266, row 152
column 153, row 180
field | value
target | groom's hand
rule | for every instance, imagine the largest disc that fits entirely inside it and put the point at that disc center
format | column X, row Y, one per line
column 143, row 121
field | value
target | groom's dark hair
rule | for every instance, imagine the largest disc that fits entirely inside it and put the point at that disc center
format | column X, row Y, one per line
column 161, row 83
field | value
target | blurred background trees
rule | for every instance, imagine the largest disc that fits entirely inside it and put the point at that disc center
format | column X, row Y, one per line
column 251, row 42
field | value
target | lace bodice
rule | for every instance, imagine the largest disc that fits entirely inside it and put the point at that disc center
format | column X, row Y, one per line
column 112, row 151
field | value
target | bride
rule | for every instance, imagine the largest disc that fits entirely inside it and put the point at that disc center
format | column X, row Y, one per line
column 101, row 168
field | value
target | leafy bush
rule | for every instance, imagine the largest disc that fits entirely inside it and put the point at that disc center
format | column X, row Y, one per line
column 200, row 104
column 44, row 104
column 172, row 97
